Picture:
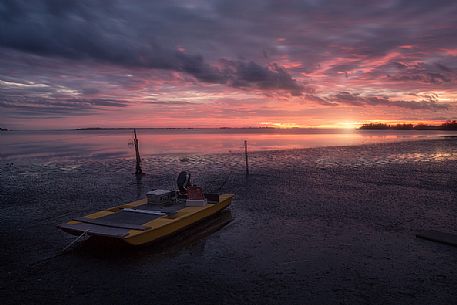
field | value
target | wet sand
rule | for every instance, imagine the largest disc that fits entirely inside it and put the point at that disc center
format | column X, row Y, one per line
column 331, row 225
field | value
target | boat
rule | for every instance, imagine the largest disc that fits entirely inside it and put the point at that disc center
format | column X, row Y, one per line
column 140, row 222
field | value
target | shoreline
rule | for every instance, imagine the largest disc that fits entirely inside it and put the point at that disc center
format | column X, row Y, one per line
column 103, row 156
column 321, row 224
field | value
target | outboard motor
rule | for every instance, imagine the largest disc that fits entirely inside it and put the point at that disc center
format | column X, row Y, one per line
column 183, row 182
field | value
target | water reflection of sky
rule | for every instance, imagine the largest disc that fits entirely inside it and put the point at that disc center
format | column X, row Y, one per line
column 107, row 144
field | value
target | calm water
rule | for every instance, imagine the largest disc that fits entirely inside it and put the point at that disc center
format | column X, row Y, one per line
column 102, row 144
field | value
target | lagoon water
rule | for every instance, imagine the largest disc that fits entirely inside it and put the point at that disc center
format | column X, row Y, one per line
column 327, row 225
column 114, row 143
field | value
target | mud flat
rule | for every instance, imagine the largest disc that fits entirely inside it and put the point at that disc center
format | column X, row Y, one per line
column 331, row 225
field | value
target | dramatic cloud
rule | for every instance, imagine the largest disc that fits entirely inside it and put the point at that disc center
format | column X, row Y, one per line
column 95, row 57
column 358, row 100
column 420, row 72
column 77, row 31
column 56, row 108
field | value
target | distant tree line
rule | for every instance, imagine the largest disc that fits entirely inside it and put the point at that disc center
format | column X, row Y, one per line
column 448, row 125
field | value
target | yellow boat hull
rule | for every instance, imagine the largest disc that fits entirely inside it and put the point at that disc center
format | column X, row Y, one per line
column 148, row 232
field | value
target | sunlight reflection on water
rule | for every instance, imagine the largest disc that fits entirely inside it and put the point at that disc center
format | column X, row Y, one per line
column 113, row 144
column 368, row 158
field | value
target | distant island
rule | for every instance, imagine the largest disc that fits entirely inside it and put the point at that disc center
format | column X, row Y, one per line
column 448, row 125
column 127, row 128
column 3, row 129
column 172, row 128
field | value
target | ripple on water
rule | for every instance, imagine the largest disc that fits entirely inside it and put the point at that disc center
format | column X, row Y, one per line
column 324, row 157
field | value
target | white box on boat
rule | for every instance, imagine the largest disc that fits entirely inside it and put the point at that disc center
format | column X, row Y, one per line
column 159, row 196
column 196, row 202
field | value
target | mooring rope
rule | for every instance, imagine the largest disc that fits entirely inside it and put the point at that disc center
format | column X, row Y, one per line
column 83, row 234
column 63, row 251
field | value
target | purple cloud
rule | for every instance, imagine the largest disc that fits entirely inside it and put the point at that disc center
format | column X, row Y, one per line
column 354, row 99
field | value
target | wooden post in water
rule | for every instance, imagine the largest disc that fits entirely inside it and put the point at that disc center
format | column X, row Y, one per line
column 246, row 156
column 138, row 170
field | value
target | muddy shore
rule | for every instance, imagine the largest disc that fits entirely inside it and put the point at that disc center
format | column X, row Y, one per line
column 331, row 225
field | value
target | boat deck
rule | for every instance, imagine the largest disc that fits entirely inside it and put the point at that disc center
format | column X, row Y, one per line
column 139, row 222
column 117, row 224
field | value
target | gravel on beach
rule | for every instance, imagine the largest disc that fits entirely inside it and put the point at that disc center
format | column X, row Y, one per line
column 331, row 225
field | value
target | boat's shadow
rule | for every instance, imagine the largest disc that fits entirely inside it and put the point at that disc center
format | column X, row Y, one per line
column 192, row 239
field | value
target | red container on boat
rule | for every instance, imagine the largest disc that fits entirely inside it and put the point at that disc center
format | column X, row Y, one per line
column 195, row 193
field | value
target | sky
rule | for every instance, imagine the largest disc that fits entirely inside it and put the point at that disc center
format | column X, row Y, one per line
column 309, row 63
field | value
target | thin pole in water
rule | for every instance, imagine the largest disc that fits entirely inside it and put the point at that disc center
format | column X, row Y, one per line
column 138, row 170
column 246, row 156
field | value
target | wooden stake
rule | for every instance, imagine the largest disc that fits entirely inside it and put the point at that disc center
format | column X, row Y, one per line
column 246, row 156
column 138, row 170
